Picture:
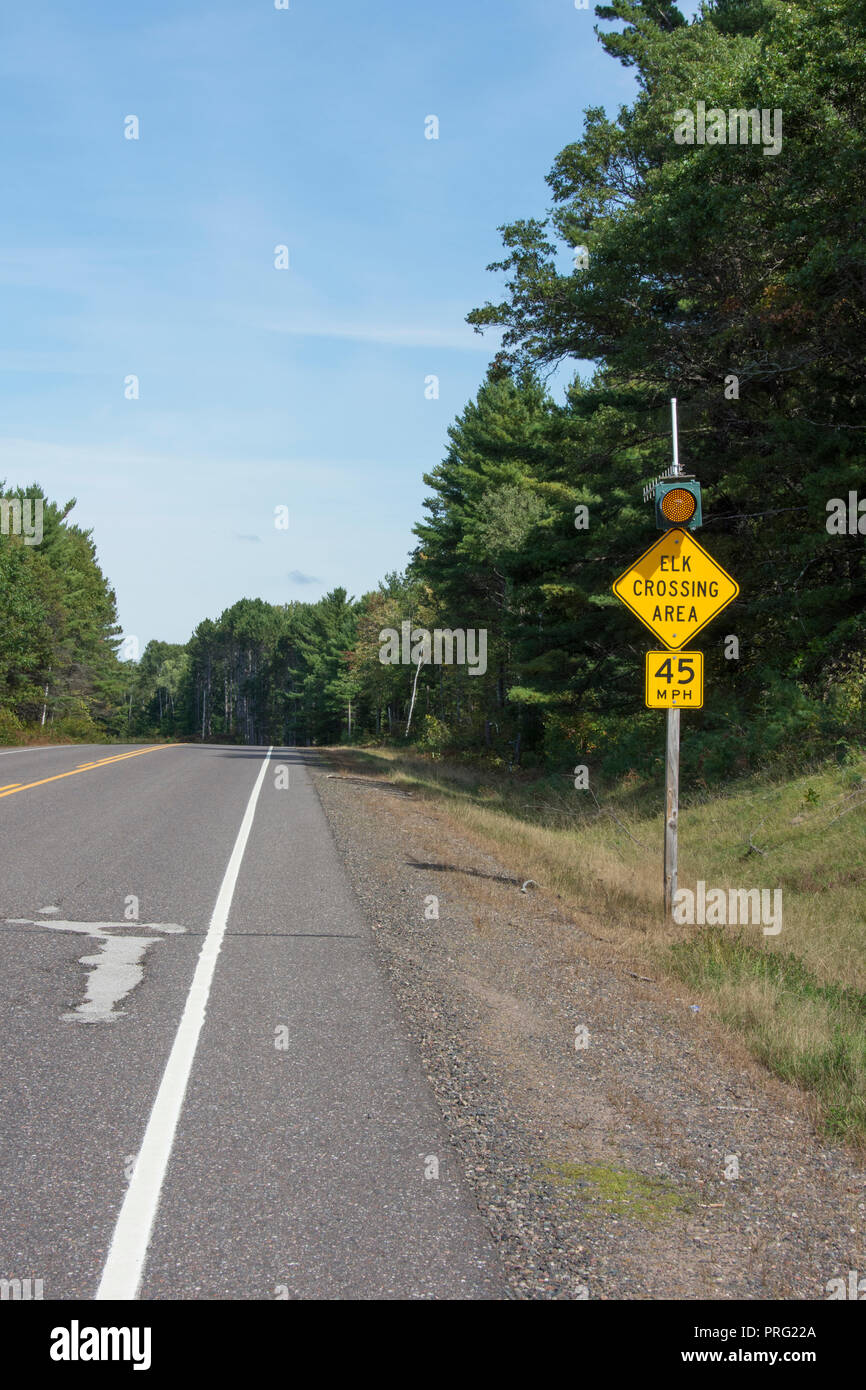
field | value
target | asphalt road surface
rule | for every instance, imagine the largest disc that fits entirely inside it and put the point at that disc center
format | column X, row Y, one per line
column 207, row 1091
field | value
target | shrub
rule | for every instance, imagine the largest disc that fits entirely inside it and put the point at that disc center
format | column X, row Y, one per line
column 435, row 736
column 10, row 727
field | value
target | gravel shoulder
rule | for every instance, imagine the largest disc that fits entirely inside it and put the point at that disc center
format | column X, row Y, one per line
column 620, row 1142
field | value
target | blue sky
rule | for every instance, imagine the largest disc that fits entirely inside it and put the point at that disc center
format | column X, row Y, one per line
column 155, row 258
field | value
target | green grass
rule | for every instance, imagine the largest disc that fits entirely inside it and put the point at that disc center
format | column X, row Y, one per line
column 606, row 1191
column 712, row 959
column 809, row 1033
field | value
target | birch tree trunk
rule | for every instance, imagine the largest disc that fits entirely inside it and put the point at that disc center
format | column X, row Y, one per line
column 414, row 691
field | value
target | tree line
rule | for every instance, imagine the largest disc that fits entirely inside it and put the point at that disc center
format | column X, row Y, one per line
column 59, row 670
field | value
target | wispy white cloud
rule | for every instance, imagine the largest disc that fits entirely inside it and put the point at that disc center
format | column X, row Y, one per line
column 106, row 463
column 388, row 334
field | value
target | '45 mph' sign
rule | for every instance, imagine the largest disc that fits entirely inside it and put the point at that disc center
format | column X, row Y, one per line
column 674, row 680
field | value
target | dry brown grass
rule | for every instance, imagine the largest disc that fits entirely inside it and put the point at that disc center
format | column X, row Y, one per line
column 799, row 998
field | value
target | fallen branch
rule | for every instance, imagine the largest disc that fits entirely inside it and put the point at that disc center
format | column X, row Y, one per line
column 752, row 846
column 603, row 811
column 858, row 791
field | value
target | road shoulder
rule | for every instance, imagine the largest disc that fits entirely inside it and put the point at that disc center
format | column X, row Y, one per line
column 619, row 1141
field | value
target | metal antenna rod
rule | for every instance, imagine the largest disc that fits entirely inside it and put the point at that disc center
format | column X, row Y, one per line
column 676, row 468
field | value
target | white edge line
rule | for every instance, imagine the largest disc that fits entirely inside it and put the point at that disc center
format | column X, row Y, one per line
column 44, row 748
column 124, row 1266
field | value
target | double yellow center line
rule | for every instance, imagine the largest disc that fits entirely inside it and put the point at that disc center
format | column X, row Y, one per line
column 12, row 787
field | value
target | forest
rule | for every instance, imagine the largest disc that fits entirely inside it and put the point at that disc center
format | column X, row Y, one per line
column 709, row 272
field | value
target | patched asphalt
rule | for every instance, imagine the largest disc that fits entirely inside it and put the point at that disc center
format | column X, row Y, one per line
column 305, row 1157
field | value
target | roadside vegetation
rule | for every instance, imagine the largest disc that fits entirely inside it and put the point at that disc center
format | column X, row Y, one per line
column 799, row 997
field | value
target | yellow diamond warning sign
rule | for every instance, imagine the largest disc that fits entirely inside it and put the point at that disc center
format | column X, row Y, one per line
column 674, row 680
column 676, row 588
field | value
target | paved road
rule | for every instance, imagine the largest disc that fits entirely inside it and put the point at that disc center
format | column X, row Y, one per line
column 207, row 1091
